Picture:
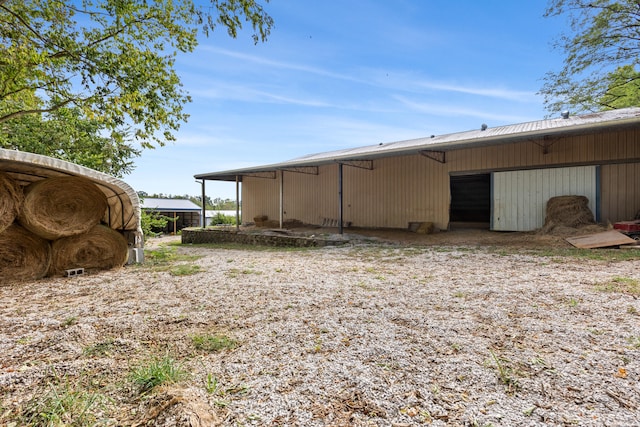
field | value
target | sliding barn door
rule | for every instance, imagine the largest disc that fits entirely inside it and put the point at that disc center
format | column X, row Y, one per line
column 519, row 198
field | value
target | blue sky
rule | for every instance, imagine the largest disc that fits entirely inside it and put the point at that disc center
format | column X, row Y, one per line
column 343, row 73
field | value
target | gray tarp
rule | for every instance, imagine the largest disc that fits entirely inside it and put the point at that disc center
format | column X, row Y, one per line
column 123, row 211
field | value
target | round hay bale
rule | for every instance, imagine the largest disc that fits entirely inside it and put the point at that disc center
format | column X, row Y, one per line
column 567, row 211
column 62, row 206
column 11, row 198
column 101, row 248
column 23, row 255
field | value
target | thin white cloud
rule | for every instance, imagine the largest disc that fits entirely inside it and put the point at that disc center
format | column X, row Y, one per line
column 281, row 64
column 223, row 90
column 226, row 91
column 410, row 82
column 443, row 110
column 501, row 93
column 402, row 81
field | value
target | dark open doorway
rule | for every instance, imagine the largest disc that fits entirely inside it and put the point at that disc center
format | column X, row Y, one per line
column 470, row 201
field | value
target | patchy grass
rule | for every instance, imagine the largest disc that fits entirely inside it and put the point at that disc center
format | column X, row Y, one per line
column 235, row 272
column 70, row 321
column 505, row 372
column 165, row 255
column 155, row 372
column 213, row 343
column 624, row 285
column 634, row 342
column 366, row 287
column 100, row 349
column 560, row 254
column 251, row 248
column 65, row 403
column 185, row 270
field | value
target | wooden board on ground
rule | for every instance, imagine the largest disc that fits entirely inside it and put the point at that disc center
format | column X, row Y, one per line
column 600, row 240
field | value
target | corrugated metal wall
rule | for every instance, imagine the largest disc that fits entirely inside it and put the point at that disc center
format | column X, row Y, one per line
column 520, row 197
column 398, row 190
column 260, row 196
column 311, row 198
column 620, row 189
column 403, row 189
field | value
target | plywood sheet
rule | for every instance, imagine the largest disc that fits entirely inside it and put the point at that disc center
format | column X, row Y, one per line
column 600, row 240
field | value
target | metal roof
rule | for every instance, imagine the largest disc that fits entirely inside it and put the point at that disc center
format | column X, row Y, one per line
column 537, row 130
column 169, row 205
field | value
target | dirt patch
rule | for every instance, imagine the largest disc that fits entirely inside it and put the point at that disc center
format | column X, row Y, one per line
column 178, row 406
column 465, row 237
column 376, row 333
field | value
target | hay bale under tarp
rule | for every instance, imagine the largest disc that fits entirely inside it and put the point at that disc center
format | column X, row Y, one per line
column 23, row 255
column 62, row 206
column 567, row 211
column 11, row 198
column 101, row 248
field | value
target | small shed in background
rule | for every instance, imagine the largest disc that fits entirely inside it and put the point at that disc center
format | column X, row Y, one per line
column 184, row 212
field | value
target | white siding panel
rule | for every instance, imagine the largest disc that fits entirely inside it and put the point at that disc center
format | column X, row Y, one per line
column 520, row 197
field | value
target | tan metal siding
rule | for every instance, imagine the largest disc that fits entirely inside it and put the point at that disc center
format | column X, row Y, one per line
column 415, row 188
column 620, row 189
column 397, row 191
column 311, row 198
column 260, row 196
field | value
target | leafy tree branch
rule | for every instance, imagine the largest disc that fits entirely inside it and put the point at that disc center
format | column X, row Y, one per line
column 602, row 54
column 111, row 62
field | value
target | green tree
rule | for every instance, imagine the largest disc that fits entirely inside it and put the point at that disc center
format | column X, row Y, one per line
column 109, row 63
column 67, row 135
column 623, row 88
column 224, row 204
column 222, row 219
column 153, row 223
column 602, row 54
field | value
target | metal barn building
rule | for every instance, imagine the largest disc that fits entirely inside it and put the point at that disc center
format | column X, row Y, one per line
column 498, row 178
column 183, row 212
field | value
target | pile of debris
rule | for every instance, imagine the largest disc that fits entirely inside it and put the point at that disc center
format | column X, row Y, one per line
column 570, row 216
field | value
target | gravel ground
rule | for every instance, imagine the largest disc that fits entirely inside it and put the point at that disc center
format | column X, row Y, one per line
column 361, row 335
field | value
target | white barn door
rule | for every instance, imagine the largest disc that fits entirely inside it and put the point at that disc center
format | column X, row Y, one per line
column 519, row 198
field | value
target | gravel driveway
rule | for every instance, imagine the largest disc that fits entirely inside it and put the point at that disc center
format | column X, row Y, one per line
column 364, row 335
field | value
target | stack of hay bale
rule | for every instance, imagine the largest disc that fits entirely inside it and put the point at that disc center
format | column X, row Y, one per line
column 566, row 213
column 53, row 225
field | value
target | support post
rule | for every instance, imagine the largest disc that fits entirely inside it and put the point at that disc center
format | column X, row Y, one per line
column 340, row 207
column 281, row 198
column 203, row 221
column 237, row 203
